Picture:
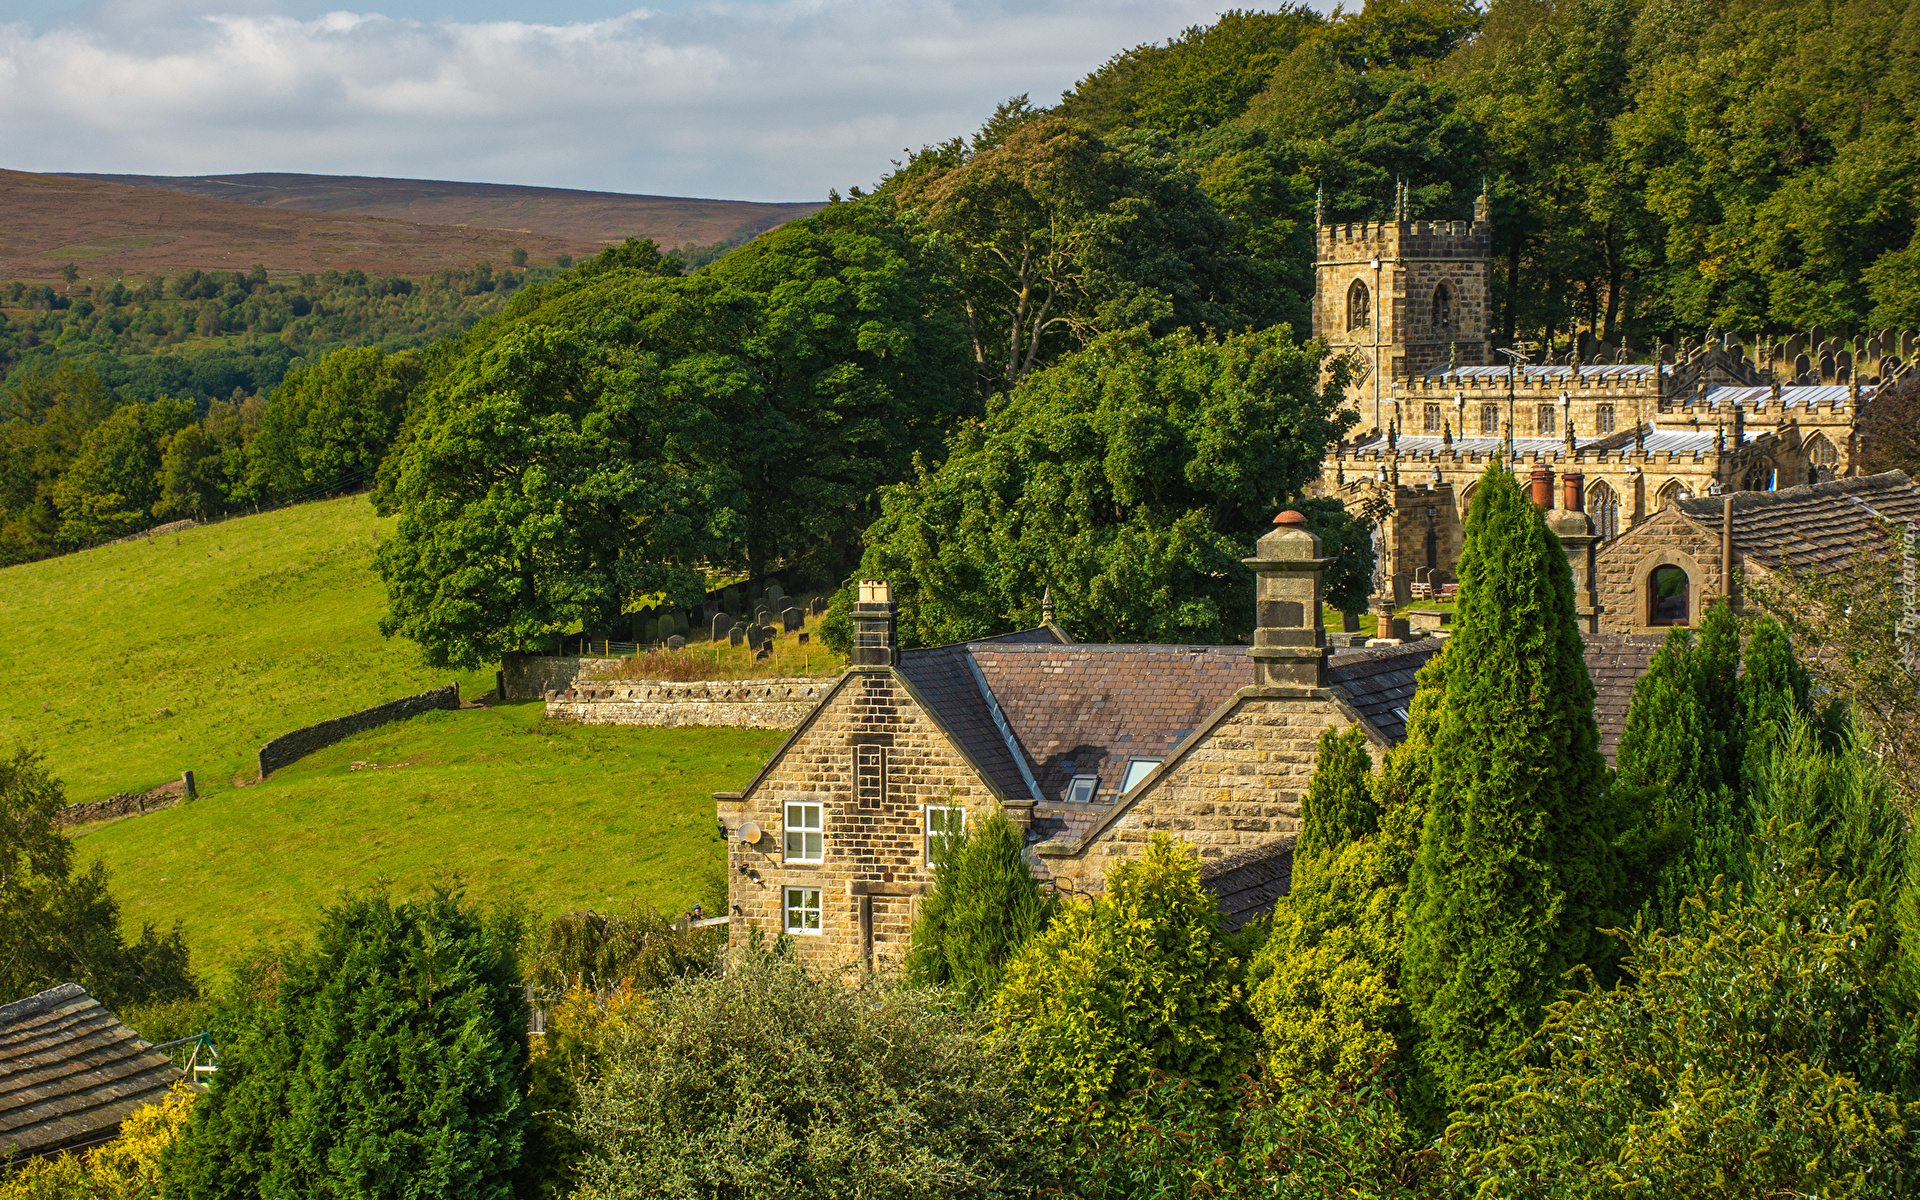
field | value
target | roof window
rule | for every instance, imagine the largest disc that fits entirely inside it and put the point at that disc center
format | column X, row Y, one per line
column 1137, row 769
column 1080, row 791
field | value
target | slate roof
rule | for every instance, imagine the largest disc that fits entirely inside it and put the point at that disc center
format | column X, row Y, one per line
column 1615, row 664
column 1814, row 524
column 946, row 682
column 1246, row 884
column 70, row 1072
column 1379, row 681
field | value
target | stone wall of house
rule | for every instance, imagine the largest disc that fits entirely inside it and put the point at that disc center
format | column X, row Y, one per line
column 532, row 676
column 874, row 868
column 739, row 703
column 1239, row 786
column 1621, row 566
column 291, row 747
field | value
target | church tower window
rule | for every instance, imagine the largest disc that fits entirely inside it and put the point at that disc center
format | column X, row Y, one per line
column 1430, row 419
column 1443, row 307
column 1359, row 306
column 1489, row 420
column 1603, row 418
column 1546, row 420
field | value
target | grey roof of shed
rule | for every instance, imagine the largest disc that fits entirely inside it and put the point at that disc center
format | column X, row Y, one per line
column 70, row 1072
column 1615, row 665
column 1815, row 524
column 1379, row 680
column 1247, row 884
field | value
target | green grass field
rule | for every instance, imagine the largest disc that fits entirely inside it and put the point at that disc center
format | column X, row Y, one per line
column 558, row 817
column 129, row 664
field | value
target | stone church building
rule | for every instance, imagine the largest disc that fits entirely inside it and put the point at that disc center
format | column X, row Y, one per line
column 1409, row 306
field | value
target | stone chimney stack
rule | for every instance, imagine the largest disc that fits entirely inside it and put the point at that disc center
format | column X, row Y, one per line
column 874, row 644
column 1289, row 643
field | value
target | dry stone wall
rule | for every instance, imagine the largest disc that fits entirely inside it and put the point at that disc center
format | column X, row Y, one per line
column 532, row 676
column 122, row 804
column 291, row 747
column 737, row 703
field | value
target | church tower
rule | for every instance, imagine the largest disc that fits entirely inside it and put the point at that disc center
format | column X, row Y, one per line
column 1402, row 298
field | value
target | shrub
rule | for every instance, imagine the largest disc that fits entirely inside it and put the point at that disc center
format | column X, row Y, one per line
column 638, row 948
column 1338, row 806
column 768, row 1082
column 984, row 906
column 1138, row 981
column 389, row 1060
column 127, row 1168
column 1729, row 1070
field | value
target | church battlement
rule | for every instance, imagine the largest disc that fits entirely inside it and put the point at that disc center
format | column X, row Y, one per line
column 1403, row 239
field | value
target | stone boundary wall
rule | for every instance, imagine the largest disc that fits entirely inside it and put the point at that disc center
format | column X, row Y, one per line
column 738, row 703
column 532, row 676
column 291, row 747
column 121, row 804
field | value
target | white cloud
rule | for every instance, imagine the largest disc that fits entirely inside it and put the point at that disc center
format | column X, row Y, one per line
column 759, row 101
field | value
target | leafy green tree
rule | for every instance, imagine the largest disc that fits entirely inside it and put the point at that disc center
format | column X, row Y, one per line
column 331, row 421
column 112, row 485
column 193, row 479
column 387, row 1060
column 1733, row 1067
column 984, row 906
column 556, row 473
column 1516, row 868
column 1061, row 234
column 1138, row 981
column 1132, row 478
column 43, row 417
column 63, row 925
column 770, row 1081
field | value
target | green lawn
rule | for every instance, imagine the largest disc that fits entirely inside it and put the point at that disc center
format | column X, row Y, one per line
column 129, row 664
column 557, row 816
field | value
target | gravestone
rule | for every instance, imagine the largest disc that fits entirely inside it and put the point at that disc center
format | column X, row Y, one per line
column 762, row 655
column 676, row 642
column 791, row 620
column 762, row 615
column 737, row 636
column 767, row 634
column 803, row 639
column 819, row 606
column 721, row 623
column 730, row 600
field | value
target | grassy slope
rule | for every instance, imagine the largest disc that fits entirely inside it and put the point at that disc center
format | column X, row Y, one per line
column 131, row 663
column 152, row 657
column 556, row 816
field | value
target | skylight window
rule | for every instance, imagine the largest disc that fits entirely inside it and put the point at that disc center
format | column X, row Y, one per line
column 1137, row 769
column 1080, row 791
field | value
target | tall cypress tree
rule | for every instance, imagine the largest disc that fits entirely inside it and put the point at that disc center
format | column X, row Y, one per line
column 1516, row 869
column 984, row 906
column 1338, row 807
column 1772, row 689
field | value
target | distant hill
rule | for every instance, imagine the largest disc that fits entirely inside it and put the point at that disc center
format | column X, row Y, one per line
column 556, row 212
column 112, row 230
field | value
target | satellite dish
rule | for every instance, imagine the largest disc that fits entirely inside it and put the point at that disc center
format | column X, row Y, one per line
column 749, row 833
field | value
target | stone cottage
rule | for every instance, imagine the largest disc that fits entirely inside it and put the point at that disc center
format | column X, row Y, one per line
column 1090, row 749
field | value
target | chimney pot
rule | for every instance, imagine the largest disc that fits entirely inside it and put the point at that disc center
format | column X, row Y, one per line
column 1574, row 490
column 1290, row 517
column 1542, row 486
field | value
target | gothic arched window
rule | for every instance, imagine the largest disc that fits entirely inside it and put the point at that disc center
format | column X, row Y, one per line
column 1359, row 306
column 1443, row 307
column 1673, row 493
column 1668, row 599
column 1604, row 503
column 1821, row 459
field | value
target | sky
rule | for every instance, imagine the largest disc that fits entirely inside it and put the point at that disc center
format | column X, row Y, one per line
column 739, row 99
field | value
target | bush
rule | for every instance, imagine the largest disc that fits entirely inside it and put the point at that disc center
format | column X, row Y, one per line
column 768, row 1082
column 984, row 906
column 639, row 948
column 127, row 1168
column 389, row 1060
column 1138, row 981
column 1729, row 1070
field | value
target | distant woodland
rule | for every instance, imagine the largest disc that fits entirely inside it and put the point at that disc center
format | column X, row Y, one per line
column 1065, row 350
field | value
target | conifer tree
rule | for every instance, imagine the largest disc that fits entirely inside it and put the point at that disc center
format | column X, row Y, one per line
column 1666, row 745
column 1516, row 869
column 1771, row 690
column 1338, row 807
column 984, row 906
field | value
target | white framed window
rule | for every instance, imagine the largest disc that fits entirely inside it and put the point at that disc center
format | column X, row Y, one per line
column 803, row 910
column 1137, row 769
column 945, row 824
column 806, row 841
column 1081, row 790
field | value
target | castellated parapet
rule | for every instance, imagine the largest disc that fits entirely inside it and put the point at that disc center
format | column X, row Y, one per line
column 1403, row 297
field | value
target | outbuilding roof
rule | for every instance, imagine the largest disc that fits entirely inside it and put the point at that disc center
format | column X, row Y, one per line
column 70, row 1072
column 1815, row 524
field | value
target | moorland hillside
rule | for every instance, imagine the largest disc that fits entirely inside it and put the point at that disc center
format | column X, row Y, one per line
column 601, row 217
column 113, row 231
